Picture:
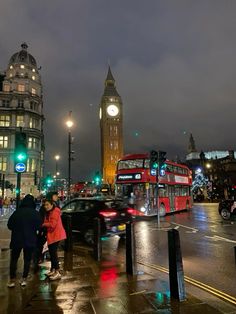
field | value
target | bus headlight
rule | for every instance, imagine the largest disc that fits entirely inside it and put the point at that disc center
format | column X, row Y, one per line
column 143, row 209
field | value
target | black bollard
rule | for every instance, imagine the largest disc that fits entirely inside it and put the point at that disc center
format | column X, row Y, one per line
column 97, row 245
column 69, row 236
column 130, row 249
column 176, row 272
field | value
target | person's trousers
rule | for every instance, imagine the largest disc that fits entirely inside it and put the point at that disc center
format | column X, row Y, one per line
column 53, row 255
column 15, row 254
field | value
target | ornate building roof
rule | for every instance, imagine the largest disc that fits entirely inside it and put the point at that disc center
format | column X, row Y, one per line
column 110, row 88
column 23, row 57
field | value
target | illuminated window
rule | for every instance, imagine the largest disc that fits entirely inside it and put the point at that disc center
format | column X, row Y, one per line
column 33, row 91
column 3, row 141
column 22, row 66
column 33, row 77
column 3, row 163
column 31, row 165
column 4, row 120
column 33, row 123
column 22, row 74
column 113, row 130
column 32, row 142
column 21, row 88
column 11, row 74
column 33, row 70
column 11, row 67
column 6, row 88
column 115, row 145
column 20, row 121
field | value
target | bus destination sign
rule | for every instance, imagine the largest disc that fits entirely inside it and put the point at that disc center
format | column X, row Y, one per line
column 129, row 176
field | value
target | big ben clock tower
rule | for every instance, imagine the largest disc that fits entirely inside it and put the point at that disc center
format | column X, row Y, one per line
column 111, row 125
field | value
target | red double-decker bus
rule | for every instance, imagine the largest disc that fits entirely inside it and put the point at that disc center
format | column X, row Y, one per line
column 139, row 187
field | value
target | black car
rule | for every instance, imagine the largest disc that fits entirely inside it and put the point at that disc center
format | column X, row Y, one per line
column 227, row 208
column 112, row 212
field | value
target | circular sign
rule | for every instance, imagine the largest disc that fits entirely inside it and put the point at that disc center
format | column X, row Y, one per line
column 20, row 167
column 162, row 172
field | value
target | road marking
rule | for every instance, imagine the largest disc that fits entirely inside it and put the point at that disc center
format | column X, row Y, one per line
column 218, row 238
column 161, row 229
column 138, row 292
column 203, row 286
column 194, row 230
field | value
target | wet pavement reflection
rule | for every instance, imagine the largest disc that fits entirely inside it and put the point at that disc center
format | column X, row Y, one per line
column 90, row 287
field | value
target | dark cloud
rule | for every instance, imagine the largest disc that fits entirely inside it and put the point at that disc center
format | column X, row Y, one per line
column 173, row 61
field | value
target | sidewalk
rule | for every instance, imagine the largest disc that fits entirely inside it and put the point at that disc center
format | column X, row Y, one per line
column 102, row 288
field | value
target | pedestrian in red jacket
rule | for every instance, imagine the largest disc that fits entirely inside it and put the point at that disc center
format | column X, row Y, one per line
column 55, row 233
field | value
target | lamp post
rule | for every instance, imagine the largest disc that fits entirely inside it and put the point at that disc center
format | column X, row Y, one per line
column 69, row 124
column 56, row 157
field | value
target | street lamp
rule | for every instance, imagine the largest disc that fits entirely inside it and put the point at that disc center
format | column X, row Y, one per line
column 69, row 124
column 56, row 157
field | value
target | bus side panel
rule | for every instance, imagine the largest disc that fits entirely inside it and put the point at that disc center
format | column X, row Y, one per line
column 166, row 202
column 182, row 202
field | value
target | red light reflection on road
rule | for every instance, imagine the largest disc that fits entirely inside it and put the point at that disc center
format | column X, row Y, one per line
column 108, row 282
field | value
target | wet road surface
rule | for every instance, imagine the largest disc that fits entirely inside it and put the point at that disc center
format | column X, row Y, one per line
column 207, row 244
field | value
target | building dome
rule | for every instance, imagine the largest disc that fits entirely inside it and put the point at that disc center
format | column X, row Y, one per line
column 23, row 57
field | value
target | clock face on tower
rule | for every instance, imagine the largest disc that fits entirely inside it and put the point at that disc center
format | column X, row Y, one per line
column 112, row 110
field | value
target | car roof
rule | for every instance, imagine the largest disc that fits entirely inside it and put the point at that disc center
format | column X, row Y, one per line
column 96, row 199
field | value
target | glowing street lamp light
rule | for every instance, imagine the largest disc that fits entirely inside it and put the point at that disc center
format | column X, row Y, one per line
column 56, row 157
column 69, row 124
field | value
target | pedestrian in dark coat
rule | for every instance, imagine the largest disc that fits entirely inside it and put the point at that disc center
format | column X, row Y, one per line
column 24, row 224
column 41, row 240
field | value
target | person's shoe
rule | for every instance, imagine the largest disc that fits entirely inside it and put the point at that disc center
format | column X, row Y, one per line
column 11, row 284
column 50, row 273
column 55, row 276
column 23, row 282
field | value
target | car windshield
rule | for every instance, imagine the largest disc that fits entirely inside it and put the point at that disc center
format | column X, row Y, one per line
column 114, row 204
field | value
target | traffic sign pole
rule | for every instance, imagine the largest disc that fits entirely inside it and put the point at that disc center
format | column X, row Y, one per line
column 157, row 192
column 18, row 185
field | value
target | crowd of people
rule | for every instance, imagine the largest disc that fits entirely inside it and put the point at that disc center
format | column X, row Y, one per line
column 31, row 231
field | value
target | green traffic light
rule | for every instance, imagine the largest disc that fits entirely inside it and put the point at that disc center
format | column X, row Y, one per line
column 21, row 156
column 155, row 165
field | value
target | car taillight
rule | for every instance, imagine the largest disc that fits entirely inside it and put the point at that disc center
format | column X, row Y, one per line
column 108, row 213
column 134, row 212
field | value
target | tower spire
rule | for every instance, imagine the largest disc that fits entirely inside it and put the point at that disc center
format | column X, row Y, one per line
column 110, row 88
column 109, row 75
column 191, row 145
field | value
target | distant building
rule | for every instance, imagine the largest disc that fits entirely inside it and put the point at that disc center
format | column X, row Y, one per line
column 21, row 107
column 111, row 127
column 218, row 166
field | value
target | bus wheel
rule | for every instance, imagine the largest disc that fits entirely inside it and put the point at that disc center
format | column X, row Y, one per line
column 162, row 210
column 225, row 214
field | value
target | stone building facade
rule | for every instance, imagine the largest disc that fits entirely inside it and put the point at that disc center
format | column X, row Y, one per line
column 21, row 109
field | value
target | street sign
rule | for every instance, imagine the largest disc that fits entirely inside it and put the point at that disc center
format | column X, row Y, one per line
column 162, row 172
column 20, row 167
column 153, row 172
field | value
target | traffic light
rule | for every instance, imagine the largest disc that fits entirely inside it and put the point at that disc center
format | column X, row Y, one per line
column 162, row 164
column 49, row 181
column 20, row 153
column 153, row 160
column 97, row 178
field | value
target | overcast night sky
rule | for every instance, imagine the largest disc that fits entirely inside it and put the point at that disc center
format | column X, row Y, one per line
column 173, row 62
